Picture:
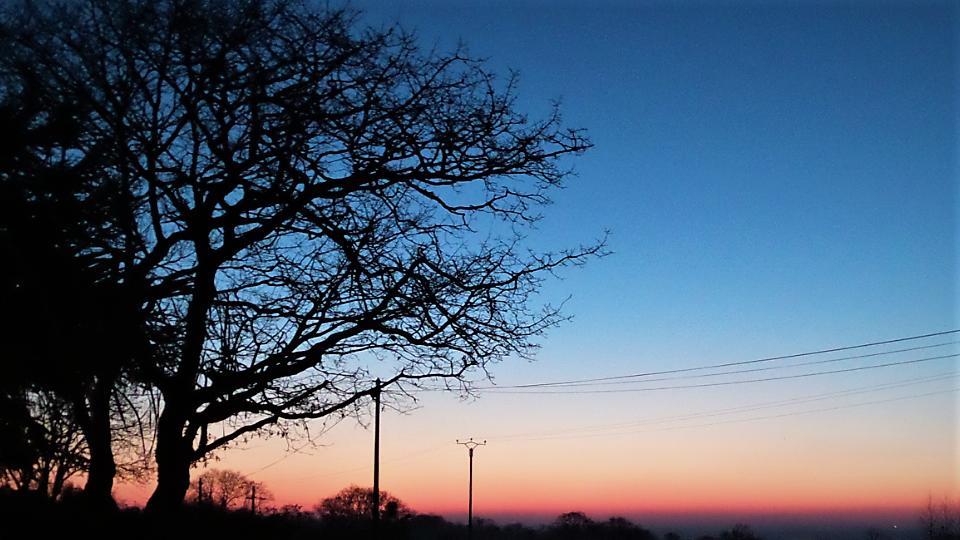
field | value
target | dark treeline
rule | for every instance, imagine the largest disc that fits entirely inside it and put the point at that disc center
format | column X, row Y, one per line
column 345, row 515
column 69, row 517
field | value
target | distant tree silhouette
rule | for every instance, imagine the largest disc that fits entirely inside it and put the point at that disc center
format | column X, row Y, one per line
column 300, row 205
column 941, row 520
column 293, row 511
column 42, row 450
column 739, row 531
column 570, row 525
column 572, row 520
column 355, row 503
column 227, row 489
column 620, row 528
column 578, row 525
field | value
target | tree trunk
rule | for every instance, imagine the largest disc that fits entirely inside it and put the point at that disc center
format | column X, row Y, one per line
column 173, row 464
column 103, row 468
column 58, row 480
column 43, row 475
column 174, row 448
column 95, row 422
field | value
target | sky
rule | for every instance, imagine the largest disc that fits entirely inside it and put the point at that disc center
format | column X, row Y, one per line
column 776, row 177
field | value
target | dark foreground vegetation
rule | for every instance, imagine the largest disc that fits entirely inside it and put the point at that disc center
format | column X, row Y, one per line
column 73, row 516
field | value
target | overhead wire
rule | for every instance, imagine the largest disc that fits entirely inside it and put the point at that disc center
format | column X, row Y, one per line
column 750, row 419
column 726, row 383
column 739, row 409
column 564, row 387
column 727, row 364
column 753, row 370
column 369, row 467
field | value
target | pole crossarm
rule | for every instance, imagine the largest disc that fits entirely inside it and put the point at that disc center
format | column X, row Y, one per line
column 471, row 444
column 254, row 498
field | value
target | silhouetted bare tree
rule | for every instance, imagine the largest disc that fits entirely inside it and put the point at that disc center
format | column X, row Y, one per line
column 941, row 520
column 578, row 525
column 67, row 325
column 572, row 520
column 355, row 503
column 42, row 450
column 305, row 205
column 227, row 489
column 739, row 531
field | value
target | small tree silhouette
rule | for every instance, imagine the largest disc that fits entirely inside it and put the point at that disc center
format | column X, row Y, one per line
column 941, row 521
column 572, row 520
column 739, row 531
column 226, row 489
column 355, row 503
column 42, row 447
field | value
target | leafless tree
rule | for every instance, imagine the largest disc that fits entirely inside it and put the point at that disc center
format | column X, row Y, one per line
column 355, row 503
column 941, row 520
column 68, row 331
column 226, row 489
column 307, row 205
column 51, row 448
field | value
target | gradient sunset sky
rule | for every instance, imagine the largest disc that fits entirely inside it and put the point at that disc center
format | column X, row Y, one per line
column 777, row 178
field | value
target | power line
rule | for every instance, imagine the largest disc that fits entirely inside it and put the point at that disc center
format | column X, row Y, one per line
column 752, row 370
column 624, row 379
column 286, row 456
column 740, row 409
column 822, row 409
column 751, row 419
column 727, row 383
column 728, row 364
column 404, row 457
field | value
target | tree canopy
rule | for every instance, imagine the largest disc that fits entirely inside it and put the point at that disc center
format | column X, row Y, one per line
column 355, row 503
column 295, row 205
column 227, row 489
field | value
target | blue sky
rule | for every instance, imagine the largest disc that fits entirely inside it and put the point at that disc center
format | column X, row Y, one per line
column 776, row 177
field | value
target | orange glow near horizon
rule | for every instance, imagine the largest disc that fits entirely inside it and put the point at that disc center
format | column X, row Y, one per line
column 870, row 462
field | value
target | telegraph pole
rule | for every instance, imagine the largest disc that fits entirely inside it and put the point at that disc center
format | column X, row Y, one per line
column 376, row 455
column 253, row 498
column 471, row 445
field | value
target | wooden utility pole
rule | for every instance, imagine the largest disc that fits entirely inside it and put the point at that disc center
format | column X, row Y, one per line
column 471, row 446
column 253, row 498
column 376, row 455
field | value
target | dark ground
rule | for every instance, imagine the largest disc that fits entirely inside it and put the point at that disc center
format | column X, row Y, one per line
column 33, row 517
